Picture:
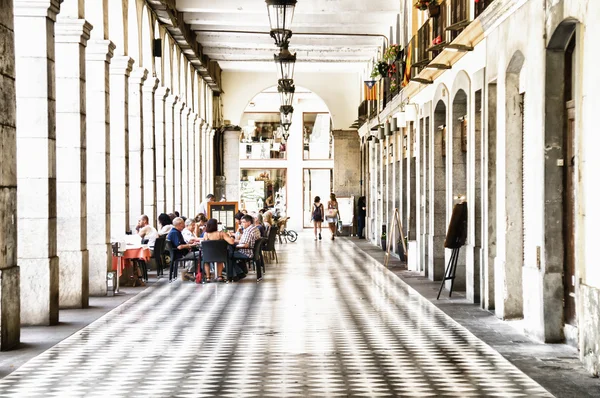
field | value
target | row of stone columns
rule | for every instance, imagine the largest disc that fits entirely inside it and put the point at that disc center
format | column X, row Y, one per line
column 89, row 144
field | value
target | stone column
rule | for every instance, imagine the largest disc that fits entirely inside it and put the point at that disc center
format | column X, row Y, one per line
column 136, row 165
column 211, row 160
column 119, row 146
column 171, row 102
column 177, row 155
column 36, row 160
column 10, row 296
column 98, row 57
column 160, row 159
column 199, row 171
column 71, row 39
column 231, row 163
column 194, row 195
column 148, row 154
column 203, row 158
column 185, row 154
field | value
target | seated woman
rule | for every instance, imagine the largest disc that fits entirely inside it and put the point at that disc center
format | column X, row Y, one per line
column 267, row 222
column 165, row 224
column 200, row 224
column 212, row 233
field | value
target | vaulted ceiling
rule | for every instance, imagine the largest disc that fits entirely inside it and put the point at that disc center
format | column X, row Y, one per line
column 328, row 35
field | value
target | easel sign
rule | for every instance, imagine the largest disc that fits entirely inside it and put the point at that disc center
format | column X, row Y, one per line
column 456, row 237
column 396, row 226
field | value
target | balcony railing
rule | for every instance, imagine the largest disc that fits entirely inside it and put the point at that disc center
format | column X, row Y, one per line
column 443, row 26
column 481, row 5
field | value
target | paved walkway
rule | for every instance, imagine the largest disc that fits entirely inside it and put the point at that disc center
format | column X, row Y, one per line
column 328, row 320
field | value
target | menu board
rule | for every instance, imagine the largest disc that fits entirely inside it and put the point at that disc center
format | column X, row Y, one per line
column 224, row 213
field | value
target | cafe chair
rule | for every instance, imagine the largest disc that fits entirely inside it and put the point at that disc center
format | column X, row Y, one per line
column 215, row 251
column 257, row 260
column 269, row 246
column 174, row 263
column 159, row 258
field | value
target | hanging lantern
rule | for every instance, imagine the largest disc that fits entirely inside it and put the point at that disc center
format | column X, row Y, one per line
column 285, row 62
column 281, row 14
column 286, row 93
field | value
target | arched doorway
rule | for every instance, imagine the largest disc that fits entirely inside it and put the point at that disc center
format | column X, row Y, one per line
column 513, row 227
column 560, row 182
column 438, row 183
column 272, row 164
column 459, row 169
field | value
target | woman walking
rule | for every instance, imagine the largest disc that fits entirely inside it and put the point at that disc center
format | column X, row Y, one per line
column 362, row 214
column 333, row 214
column 317, row 216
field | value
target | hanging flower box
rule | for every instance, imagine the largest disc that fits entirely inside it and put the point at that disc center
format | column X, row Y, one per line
column 433, row 8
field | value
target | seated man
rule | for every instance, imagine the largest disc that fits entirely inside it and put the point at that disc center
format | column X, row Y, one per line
column 245, row 246
column 181, row 249
column 146, row 231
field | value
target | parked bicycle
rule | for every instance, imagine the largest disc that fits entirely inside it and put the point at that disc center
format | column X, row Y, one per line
column 287, row 234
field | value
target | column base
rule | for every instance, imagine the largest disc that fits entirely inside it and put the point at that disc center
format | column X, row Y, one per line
column 10, row 321
column 39, row 291
column 99, row 260
column 74, row 276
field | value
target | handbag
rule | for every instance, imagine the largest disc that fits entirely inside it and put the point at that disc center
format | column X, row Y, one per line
column 332, row 213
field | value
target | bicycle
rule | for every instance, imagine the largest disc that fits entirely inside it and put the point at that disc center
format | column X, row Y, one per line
column 287, row 234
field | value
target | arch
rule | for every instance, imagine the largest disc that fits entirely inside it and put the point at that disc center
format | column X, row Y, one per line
column 438, row 185
column 190, row 90
column 167, row 61
column 133, row 32
column 175, row 70
column 441, row 94
column 147, row 36
column 182, row 77
column 511, row 304
column 117, row 26
column 560, row 187
column 462, row 81
column 159, row 66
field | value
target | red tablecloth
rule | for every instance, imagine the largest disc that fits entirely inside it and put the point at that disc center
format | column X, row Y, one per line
column 143, row 253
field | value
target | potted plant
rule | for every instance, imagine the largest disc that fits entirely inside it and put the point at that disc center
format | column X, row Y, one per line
column 383, row 237
column 392, row 53
column 393, row 85
column 422, row 4
column 383, row 68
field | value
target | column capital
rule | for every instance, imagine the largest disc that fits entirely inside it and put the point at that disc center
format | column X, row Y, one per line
column 186, row 111
column 201, row 122
column 179, row 106
column 150, row 85
column 36, row 8
column 193, row 116
column 138, row 76
column 162, row 92
column 69, row 30
column 172, row 99
column 121, row 65
column 99, row 50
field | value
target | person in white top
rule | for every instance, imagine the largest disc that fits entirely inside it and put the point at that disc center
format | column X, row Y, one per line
column 204, row 205
column 188, row 231
column 146, row 231
column 165, row 223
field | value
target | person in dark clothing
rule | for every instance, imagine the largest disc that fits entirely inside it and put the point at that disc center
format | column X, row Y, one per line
column 362, row 214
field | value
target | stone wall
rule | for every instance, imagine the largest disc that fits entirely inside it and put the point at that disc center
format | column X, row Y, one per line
column 346, row 166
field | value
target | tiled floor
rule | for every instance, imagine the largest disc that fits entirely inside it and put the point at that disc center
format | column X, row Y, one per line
column 326, row 321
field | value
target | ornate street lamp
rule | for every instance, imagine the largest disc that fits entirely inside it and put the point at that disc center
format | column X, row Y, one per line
column 286, row 94
column 281, row 14
column 285, row 61
column 285, row 113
